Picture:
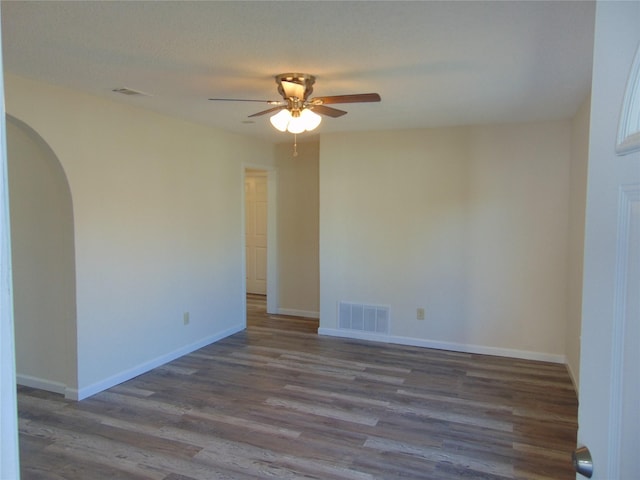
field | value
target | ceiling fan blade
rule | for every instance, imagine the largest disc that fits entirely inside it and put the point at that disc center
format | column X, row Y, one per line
column 328, row 111
column 270, row 102
column 264, row 112
column 354, row 98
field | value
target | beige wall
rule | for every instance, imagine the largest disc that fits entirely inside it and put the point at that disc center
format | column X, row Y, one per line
column 157, row 208
column 469, row 223
column 577, row 206
column 298, row 229
column 43, row 261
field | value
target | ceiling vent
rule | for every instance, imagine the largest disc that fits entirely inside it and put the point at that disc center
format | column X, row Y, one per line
column 128, row 91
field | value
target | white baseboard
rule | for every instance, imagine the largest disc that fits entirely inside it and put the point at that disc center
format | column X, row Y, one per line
column 41, row 384
column 298, row 313
column 455, row 347
column 85, row 392
column 573, row 377
column 118, row 378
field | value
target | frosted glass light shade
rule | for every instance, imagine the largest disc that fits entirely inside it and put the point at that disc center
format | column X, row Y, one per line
column 281, row 120
column 285, row 121
column 311, row 119
column 296, row 125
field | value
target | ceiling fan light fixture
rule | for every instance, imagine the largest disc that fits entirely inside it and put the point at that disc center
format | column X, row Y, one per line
column 306, row 120
column 296, row 125
column 311, row 119
column 297, row 112
column 280, row 120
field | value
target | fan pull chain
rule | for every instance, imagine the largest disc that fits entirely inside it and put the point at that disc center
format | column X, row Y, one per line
column 295, row 144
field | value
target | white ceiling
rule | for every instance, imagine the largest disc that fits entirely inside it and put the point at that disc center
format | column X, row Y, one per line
column 433, row 63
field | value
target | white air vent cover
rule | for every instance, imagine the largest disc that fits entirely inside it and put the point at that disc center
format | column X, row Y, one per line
column 363, row 318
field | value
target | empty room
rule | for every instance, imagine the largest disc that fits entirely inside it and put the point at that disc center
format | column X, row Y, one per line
column 332, row 240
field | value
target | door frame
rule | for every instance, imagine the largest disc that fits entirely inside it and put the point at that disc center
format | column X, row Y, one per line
column 272, row 238
column 9, row 456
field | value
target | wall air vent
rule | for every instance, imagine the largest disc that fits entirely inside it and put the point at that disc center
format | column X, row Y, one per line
column 128, row 91
column 363, row 318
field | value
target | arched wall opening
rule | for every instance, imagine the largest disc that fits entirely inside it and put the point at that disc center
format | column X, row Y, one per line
column 43, row 261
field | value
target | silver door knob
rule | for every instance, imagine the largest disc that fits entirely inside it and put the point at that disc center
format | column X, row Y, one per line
column 582, row 461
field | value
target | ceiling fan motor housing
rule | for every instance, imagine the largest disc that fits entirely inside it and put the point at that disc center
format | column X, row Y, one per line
column 295, row 85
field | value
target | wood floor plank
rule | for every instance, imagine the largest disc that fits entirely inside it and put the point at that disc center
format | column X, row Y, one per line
column 441, row 456
column 279, row 401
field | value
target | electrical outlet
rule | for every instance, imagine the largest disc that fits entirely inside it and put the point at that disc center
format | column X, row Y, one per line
column 420, row 313
column 185, row 318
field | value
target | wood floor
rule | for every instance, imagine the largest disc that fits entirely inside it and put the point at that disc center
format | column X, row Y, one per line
column 277, row 401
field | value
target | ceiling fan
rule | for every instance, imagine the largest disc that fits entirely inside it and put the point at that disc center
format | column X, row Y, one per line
column 297, row 112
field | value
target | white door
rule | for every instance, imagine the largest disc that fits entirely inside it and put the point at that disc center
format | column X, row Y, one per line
column 609, row 418
column 256, row 231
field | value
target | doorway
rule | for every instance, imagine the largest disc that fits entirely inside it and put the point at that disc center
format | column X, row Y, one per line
column 260, row 237
column 255, row 204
